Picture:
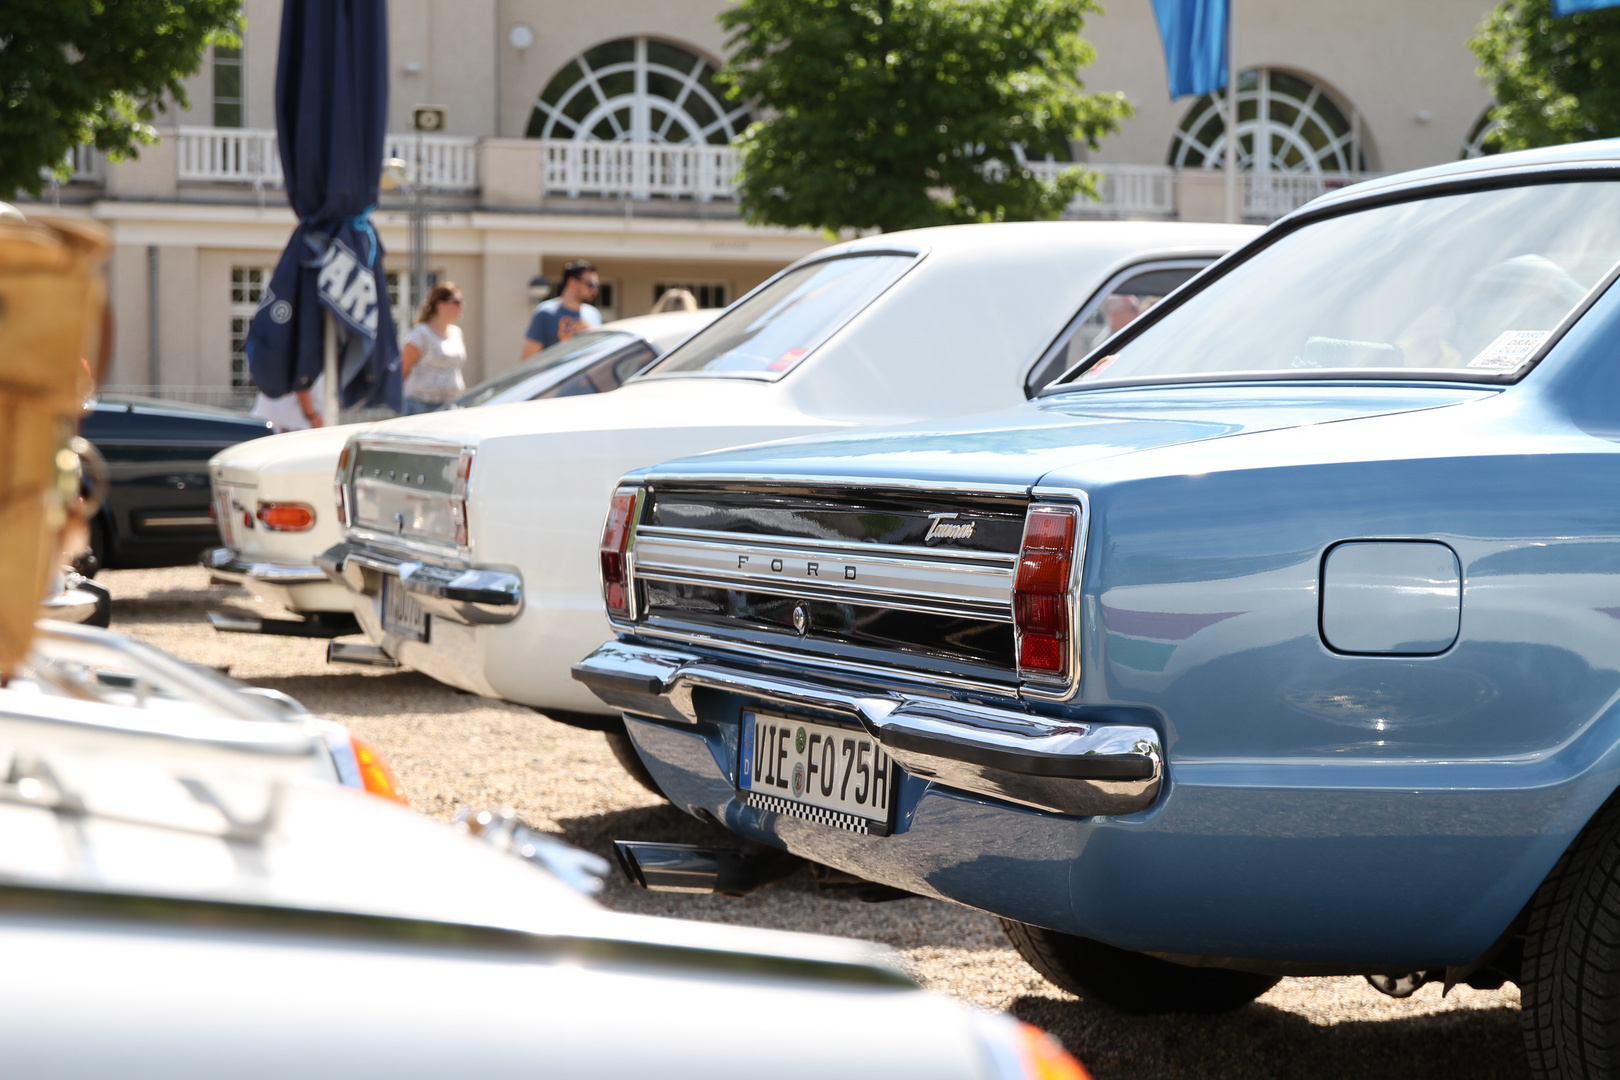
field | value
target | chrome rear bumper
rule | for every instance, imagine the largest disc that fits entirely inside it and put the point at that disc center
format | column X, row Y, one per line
column 462, row 594
column 224, row 562
column 1067, row 767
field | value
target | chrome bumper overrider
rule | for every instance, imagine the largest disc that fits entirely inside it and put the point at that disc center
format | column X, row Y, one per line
column 224, row 562
column 1049, row 763
column 461, row 594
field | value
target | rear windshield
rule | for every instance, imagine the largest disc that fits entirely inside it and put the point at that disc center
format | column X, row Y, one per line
column 545, row 360
column 1465, row 283
column 767, row 334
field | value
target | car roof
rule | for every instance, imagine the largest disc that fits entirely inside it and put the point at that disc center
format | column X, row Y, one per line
column 1596, row 156
column 999, row 236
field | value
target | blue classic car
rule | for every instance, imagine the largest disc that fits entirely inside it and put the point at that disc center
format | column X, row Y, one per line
column 1279, row 636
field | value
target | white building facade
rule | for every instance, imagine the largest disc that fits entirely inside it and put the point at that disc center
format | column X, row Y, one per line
column 597, row 132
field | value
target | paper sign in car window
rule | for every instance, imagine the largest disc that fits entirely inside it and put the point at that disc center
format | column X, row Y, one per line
column 787, row 360
column 1510, row 349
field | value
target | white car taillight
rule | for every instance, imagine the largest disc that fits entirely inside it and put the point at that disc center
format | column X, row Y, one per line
column 1043, row 601
column 458, row 498
column 340, row 487
column 618, row 534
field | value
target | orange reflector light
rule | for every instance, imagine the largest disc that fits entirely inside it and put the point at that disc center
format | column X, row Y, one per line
column 287, row 517
column 1045, row 1058
column 375, row 775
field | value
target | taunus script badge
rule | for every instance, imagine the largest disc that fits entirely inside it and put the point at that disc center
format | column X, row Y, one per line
column 946, row 527
column 801, row 617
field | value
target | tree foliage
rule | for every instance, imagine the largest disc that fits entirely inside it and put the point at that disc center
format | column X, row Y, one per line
column 1556, row 80
column 94, row 71
column 898, row 114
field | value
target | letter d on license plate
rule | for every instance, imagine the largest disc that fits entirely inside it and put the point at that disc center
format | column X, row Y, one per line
column 837, row 776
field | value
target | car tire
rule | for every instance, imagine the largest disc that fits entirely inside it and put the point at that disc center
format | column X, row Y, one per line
column 95, row 559
column 1132, row 982
column 625, row 750
column 1569, row 982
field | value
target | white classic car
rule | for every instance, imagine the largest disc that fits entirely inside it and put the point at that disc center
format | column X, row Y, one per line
column 471, row 544
column 272, row 498
column 211, row 905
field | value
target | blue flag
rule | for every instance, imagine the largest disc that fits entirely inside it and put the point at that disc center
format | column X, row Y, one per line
column 1561, row 8
column 1194, row 33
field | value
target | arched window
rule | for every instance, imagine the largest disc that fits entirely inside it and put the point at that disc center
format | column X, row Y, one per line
column 1298, row 126
column 637, row 90
column 1482, row 140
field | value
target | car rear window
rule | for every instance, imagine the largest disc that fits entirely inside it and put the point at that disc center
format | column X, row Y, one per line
column 768, row 333
column 545, row 360
column 1469, row 283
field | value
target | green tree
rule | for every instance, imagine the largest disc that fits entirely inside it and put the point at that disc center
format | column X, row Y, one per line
column 897, row 114
column 1555, row 80
column 94, row 71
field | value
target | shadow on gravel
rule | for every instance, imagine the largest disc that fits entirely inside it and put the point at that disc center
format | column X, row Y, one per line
column 1260, row 1041
column 365, row 693
column 167, row 603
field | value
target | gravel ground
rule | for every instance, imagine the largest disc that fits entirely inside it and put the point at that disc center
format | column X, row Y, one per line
column 452, row 749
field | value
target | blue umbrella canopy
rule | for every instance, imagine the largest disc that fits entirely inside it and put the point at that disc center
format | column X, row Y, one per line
column 331, row 123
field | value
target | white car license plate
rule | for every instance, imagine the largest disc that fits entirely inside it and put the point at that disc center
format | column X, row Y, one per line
column 838, row 776
column 401, row 614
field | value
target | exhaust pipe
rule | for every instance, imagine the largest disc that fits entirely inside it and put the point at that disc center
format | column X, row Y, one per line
column 692, row 868
column 320, row 624
column 367, row 655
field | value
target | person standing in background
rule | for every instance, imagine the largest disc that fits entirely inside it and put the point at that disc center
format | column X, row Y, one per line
column 296, row 411
column 675, row 300
column 433, row 353
column 567, row 313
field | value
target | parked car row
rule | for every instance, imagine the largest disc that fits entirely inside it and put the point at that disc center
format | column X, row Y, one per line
column 1205, row 626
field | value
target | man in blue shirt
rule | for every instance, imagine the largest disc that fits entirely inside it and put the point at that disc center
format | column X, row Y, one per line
column 567, row 313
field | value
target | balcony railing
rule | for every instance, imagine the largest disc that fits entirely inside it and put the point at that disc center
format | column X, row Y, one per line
column 250, row 156
column 637, row 170
column 1127, row 191
column 1268, row 196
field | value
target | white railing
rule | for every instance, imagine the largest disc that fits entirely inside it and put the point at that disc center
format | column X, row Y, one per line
column 228, row 156
column 250, row 156
column 637, row 170
column 1268, row 196
column 1127, row 191
column 447, row 163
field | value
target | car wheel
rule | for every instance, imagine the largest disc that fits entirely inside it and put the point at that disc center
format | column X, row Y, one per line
column 1132, row 982
column 625, row 750
column 95, row 559
column 1569, row 983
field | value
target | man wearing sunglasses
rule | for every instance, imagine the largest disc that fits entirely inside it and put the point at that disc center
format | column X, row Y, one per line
column 567, row 313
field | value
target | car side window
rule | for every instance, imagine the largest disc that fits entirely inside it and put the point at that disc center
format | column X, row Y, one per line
column 1111, row 309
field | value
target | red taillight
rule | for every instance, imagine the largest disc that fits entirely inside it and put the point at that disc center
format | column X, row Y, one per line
column 375, row 775
column 1042, row 604
column 617, row 592
column 287, row 517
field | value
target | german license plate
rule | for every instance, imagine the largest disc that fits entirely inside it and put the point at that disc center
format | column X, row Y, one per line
column 837, row 776
column 401, row 614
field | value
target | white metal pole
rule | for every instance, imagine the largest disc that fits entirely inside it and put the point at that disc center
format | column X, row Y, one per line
column 1234, row 201
column 329, row 406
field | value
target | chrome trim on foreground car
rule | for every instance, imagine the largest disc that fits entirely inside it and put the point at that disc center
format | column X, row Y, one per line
column 224, row 562
column 1067, row 767
column 464, row 594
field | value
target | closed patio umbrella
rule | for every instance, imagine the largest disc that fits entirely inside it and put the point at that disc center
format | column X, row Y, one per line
column 331, row 122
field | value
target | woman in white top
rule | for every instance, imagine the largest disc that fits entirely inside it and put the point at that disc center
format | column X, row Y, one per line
column 434, row 352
